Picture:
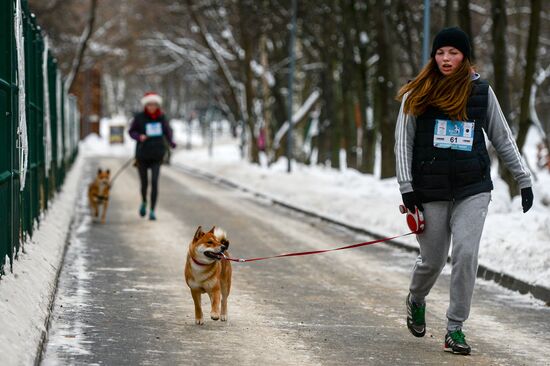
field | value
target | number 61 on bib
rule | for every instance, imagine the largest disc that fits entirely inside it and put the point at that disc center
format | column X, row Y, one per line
column 455, row 135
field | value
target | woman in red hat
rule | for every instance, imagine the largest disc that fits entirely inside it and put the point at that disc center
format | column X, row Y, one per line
column 444, row 170
column 150, row 128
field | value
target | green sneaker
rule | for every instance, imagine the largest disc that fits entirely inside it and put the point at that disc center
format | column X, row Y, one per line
column 416, row 321
column 143, row 209
column 152, row 216
column 455, row 342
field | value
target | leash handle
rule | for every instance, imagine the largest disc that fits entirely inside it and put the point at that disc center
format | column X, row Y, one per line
column 312, row 252
column 415, row 220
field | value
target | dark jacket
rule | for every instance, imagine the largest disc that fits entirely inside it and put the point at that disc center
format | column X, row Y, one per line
column 157, row 129
column 447, row 174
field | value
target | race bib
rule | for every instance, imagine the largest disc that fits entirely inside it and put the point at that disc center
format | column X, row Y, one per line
column 456, row 135
column 153, row 129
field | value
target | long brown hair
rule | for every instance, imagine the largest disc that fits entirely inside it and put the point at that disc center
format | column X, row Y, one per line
column 431, row 88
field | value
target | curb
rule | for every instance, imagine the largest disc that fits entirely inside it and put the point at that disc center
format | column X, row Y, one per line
column 53, row 295
column 504, row 280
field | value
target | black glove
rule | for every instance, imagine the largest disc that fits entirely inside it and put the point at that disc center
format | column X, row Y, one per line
column 410, row 200
column 526, row 198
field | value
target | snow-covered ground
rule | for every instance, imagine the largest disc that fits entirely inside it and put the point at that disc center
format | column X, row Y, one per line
column 513, row 243
column 26, row 294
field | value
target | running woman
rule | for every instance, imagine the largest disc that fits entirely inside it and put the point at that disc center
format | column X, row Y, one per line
column 149, row 128
column 443, row 170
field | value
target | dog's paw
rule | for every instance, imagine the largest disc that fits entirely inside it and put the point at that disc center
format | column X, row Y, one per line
column 223, row 318
column 215, row 316
column 199, row 321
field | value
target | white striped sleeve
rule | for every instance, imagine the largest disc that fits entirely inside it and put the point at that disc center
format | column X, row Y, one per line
column 502, row 139
column 404, row 141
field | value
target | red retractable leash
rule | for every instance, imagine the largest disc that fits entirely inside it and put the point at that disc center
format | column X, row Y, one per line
column 415, row 222
column 296, row 254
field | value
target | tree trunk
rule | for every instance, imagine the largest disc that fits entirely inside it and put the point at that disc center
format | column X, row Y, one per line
column 248, row 80
column 367, row 154
column 348, row 140
column 500, row 54
column 531, row 60
column 266, row 95
column 325, row 119
column 335, row 122
column 465, row 21
column 500, row 67
column 449, row 13
column 347, row 82
column 385, row 86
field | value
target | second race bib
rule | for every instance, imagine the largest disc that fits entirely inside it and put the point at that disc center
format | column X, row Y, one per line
column 153, row 129
column 456, row 135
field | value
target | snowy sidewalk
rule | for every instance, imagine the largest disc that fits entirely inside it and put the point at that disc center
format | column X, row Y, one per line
column 27, row 294
column 513, row 243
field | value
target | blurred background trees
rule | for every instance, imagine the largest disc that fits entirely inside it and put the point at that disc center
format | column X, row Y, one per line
column 352, row 56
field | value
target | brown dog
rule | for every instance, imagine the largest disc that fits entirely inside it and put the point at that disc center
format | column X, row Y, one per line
column 207, row 271
column 98, row 193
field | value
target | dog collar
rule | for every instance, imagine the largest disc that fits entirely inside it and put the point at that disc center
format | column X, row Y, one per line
column 199, row 263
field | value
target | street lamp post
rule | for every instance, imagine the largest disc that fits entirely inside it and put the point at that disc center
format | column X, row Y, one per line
column 290, row 85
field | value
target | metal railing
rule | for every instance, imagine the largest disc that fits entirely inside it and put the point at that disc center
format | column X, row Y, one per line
column 48, row 148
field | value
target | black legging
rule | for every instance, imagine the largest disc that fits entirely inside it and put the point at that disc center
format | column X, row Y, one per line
column 155, row 169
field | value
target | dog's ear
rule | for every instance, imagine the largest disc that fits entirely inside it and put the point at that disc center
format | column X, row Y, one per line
column 198, row 234
column 99, row 171
column 212, row 230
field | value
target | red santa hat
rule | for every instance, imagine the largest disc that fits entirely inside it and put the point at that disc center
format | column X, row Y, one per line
column 151, row 97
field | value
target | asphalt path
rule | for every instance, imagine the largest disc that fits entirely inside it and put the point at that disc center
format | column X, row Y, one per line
column 122, row 299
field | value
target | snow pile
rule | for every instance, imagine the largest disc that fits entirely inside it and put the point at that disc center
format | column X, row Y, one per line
column 198, row 134
column 94, row 145
column 513, row 243
column 517, row 243
column 25, row 294
column 187, row 134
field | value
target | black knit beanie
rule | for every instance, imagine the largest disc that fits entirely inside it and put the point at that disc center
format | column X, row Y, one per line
column 453, row 37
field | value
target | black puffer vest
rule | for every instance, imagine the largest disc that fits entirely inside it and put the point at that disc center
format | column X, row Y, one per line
column 446, row 174
column 153, row 148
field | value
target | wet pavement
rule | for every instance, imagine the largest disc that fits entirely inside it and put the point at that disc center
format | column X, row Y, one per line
column 122, row 299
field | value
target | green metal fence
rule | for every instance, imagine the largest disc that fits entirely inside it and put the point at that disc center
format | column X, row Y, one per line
column 56, row 131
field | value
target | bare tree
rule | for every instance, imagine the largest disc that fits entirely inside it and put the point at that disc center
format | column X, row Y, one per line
column 351, row 54
column 85, row 38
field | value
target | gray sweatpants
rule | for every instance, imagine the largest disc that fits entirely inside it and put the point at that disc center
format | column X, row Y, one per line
column 462, row 221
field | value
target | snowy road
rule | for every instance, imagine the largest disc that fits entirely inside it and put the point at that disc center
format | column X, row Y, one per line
column 122, row 299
